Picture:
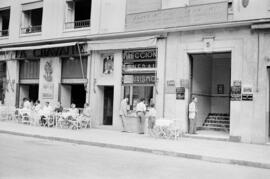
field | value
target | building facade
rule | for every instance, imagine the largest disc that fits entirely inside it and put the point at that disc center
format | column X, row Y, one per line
column 165, row 51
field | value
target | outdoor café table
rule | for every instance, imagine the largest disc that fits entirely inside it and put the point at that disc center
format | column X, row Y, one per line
column 168, row 129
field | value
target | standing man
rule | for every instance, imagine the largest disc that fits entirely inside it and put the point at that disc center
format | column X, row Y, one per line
column 140, row 111
column 123, row 113
column 192, row 114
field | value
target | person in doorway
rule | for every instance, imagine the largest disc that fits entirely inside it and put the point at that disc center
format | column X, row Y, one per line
column 123, row 113
column 85, row 117
column 151, row 119
column 192, row 114
column 140, row 111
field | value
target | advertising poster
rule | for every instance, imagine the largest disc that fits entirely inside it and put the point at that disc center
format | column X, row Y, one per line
column 247, row 93
column 180, row 93
column 170, row 87
column 236, row 91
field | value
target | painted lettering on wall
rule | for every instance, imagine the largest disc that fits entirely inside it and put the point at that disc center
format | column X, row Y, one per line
column 51, row 52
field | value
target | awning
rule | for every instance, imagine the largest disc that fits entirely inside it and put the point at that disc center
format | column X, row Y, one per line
column 31, row 6
column 126, row 43
column 39, row 47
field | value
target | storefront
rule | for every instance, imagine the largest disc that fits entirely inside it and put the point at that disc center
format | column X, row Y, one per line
column 73, row 81
column 54, row 72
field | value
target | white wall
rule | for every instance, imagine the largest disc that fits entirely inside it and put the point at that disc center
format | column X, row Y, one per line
column 247, row 118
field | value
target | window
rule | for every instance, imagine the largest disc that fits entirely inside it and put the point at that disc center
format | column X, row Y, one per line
column 78, row 14
column 4, row 22
column 32, row 17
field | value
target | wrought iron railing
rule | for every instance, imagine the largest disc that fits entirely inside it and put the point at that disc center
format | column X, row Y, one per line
column 31, row 29
column 3, row 33
column 77, row 24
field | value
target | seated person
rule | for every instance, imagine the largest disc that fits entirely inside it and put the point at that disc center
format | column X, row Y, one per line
column 45, row 112
column 74, row 112
column 58, row 108
column 85, row 117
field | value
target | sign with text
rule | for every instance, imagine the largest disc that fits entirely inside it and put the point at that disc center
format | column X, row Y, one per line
column 139, row 79
column 180, row 93
column 247, row 93
column 177, row 17
column 170, row 87
column 236, row 91
column 51, row 52
column 47, row 91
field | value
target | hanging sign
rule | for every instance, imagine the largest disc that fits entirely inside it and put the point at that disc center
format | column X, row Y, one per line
column 180, row 93
column 139, row 79
column 236, row 91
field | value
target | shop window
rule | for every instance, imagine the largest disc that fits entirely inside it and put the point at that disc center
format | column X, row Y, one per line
column 78, row 13
column 73, row 64
column 29, row 69
column 135, row 93
column 31, row 17
column 4, row 22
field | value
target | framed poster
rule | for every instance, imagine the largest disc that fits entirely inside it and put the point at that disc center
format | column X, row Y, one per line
column 180, row 93
column 220, row 89
column 236, row 91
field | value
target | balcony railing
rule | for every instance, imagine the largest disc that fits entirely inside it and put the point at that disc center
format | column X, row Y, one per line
column 31, row 29
column 77, row 24
column 3, row 33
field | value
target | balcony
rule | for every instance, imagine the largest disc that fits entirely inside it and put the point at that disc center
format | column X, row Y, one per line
column 77, row 24
column 3, row 33
column 31, row 29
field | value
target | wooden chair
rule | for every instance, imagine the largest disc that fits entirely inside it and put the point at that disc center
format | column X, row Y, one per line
column 49, row 121
column 26, row 118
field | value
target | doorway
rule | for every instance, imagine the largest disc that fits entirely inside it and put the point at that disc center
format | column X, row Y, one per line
column 73, row 93
column 108, row 105
column 210, row 83
column 29, row 91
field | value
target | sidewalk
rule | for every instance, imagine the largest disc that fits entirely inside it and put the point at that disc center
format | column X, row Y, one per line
column 201, row 149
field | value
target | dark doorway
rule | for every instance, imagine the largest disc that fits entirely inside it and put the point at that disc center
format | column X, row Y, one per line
column 78, row 95
column 108, row 106
column 268, row 111
column 33, row 92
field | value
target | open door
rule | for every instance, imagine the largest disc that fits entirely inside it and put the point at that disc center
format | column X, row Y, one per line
column 108, row 105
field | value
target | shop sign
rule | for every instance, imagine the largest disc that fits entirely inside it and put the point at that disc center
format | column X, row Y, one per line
column 180, row 93
column 51, row 52
column 47, row 91
column 139, row 54
column 236, row 91
column 247, row 94
column 170, row 87
column 139, row 79
column 183, row 16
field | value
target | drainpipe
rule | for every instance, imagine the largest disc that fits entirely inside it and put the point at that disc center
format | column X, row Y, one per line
column 164, row 76
column 258, row 62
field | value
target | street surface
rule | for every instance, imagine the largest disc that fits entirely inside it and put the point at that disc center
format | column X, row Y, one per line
column 24, row 157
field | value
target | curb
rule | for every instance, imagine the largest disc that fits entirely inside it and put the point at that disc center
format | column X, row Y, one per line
column 146, row 150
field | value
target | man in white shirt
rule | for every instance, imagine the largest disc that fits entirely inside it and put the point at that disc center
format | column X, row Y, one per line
column 123, row 113
column 192, row 114
column 140, row 111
